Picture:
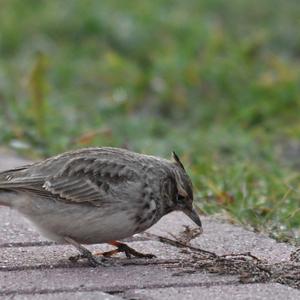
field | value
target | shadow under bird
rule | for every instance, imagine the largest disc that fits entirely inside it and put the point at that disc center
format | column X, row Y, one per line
column 98, row 195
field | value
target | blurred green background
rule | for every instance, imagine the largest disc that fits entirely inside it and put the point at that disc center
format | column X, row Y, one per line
column 217, row 81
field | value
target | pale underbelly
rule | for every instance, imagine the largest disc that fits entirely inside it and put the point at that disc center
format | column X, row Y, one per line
column 84, row 230
column 85, row 224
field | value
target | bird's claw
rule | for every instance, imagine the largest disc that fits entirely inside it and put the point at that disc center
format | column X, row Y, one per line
column 92, row 260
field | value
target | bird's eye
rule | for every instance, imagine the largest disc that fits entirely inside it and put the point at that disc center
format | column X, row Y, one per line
column 180, row 198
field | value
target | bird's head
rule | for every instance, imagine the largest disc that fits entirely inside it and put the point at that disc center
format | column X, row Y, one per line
column 184, row 195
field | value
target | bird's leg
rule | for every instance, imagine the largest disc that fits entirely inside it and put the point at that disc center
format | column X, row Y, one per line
column 84, row 253
column 121, row 247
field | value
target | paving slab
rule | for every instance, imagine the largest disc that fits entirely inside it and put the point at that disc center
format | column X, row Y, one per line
column 222, row 238
column 218, row 292
column 54, row 256
column 108, row 279
column 96, row 295
column 32, row 267
column 17, row 230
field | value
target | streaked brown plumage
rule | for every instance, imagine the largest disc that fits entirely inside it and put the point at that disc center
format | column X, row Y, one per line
column 97, row 195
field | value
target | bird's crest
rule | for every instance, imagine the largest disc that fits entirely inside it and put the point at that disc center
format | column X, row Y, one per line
column 179, row 182
column 177, row 160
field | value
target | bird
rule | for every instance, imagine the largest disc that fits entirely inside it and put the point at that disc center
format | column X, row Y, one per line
column 98, row 195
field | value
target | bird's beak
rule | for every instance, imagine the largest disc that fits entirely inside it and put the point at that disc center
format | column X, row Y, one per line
column 192, row 214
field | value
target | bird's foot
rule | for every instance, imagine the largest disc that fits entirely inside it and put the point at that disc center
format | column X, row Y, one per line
column 85, row 253
column 129, row 252
column 93, row 260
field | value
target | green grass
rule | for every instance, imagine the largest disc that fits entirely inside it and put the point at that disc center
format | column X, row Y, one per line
column 217, row 81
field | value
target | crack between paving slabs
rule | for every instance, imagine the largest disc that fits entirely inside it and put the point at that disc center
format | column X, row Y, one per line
column 116, row 289
column 120, row 262
column 28, row 244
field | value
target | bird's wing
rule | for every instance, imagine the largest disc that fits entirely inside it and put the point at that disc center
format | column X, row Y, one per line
column 80, row 179
column 76, row 189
